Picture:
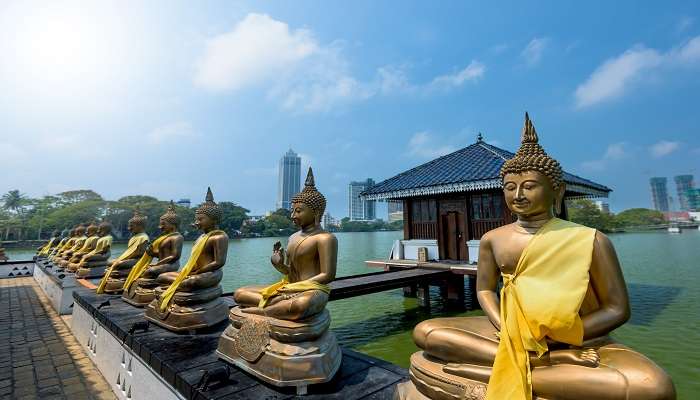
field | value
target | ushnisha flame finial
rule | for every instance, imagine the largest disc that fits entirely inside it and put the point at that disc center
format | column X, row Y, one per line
column 170, row 215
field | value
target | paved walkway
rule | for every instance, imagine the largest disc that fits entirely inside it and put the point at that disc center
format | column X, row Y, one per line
column 39, row 357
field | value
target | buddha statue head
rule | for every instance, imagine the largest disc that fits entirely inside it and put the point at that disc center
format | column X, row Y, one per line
column 56, row 233
column 208, row 214
column 170, row 221
column 137, row 223
column 532, row 180
column 309, row 204
column 79, row 230
column 92, row 229
column 105, row 228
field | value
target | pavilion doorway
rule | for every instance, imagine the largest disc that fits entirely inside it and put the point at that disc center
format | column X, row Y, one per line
column 453, row 229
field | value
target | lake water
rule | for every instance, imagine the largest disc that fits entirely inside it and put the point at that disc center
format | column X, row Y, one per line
column 662, row 272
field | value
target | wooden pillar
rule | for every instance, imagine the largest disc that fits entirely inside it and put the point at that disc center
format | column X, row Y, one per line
column 410, row 291
column 455, row 292
column 406, row 220
column 423, row 294
column 473, row 301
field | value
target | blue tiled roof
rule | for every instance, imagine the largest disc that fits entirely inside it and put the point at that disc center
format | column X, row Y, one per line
column 475, row 163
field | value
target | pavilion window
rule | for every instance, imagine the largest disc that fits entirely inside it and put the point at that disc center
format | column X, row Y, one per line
column 424, row 219
column 486, row 213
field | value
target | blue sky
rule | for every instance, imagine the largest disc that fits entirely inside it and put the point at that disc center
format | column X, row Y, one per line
column 166, row 98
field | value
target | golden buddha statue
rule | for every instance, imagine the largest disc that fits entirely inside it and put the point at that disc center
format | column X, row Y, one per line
column 546, row 336
column 189, row 300
column 94, row 263
column 62, row 259
column 280, row 333
column 139, row 286
column 93, row 235
column 114, row 276
column 44, row 250
column 3, row 256
column 63, row 244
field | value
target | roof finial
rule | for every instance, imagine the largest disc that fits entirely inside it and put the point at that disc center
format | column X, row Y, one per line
column 479, row 138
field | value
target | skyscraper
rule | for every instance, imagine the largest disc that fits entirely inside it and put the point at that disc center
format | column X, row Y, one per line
column 394, row 211
column 289, row 182
column 684, row 183
column 360, row 209
column 659, row 193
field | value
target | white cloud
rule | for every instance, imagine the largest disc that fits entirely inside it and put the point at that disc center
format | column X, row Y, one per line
column 614, row 152
column 422, row 145
column 618, row 74
column 12, row 152
column 174, row 131
column 257, row 48
column 298, row 72
column 473, row 72
column 532, row 53
column 663, row 148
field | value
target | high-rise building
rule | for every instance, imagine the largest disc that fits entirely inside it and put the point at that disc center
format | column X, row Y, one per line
column 184, row 203
column 604, row 207
column 659, row 193
column 684, row 183
column 360, row 209
column 289, row 182
column 693, row 199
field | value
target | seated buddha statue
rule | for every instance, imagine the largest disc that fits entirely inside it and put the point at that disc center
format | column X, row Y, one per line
column 3, row 255
column 546, row 335
column 62, row 259
column 190, row 299
column 94, row 263
column 44, row 250
column 89, row 245
column 117, row 269
column 289, row 320
column 65, row 242
column 139, row 286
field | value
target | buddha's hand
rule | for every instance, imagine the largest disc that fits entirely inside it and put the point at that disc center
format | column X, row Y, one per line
column 277, row 258
column 584, row 357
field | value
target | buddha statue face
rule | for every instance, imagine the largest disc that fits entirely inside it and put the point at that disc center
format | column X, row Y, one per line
column 204, row 222
column 303, row 215
column 79, row 231
column 530, row 193
column 165, row 226
column 169, row 221
column 105, row 229
column 92, row 230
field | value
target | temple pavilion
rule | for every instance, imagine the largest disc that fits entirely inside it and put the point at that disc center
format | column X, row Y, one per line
column 451, row 201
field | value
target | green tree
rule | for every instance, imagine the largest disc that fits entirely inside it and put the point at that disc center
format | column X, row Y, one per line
column 76, row 196
column 639, row 217
column 232, row 217
column 14, row 203
column 585, row 212
column 77, row 213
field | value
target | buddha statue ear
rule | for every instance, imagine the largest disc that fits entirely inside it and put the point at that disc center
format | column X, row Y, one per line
column 558, row 198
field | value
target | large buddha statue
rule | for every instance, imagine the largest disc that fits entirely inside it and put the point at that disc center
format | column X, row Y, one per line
column 62, row 259
column 89, row 245
column 189, row 300
column 139, row 286
column 546, row 335
column 280, row 333
column 44, row 250
column 94, row 263
column 113, row 278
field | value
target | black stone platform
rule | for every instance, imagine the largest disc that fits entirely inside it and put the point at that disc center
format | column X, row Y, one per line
column 181, row 360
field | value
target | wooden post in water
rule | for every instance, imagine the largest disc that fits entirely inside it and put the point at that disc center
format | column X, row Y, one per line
column 423, row 294
column 473, row 301
column 409, row 291
column 454, row 295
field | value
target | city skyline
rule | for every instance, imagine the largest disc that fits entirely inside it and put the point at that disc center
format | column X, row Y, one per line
column 212, row 94
column 289, row 179
column 360, row 209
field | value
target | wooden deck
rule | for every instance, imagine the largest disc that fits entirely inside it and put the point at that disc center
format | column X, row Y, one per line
column 181, row 360
column 358, row 285
column 454, row 267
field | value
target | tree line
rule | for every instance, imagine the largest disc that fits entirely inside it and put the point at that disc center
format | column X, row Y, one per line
column 585, row 212
column 26, row 218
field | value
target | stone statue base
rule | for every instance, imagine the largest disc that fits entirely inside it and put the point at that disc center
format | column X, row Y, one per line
column 430, row 382
column 141, row 293
column 189, row 311
column 280, row 352
column 88, row 271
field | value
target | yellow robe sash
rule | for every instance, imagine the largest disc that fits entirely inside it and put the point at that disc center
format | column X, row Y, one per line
column 145, row 260
column 45, row 250
column 67, row 245
column 88, row 245
column 541, row 298
column 284, row 286
column 131, row 249
column 78, row 244
column 185, row 271
column 58, row 247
